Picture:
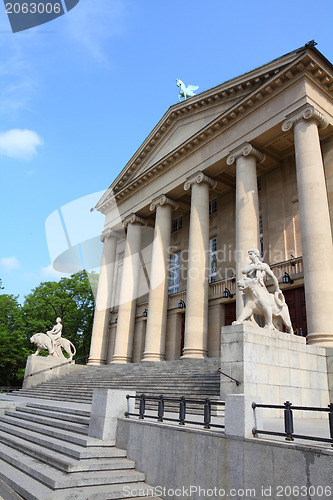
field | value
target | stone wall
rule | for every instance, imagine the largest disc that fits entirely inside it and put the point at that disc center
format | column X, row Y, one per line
column 275, row 367
column 173, row 457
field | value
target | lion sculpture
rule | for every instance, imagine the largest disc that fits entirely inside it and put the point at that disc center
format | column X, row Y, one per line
column 259, row 301
column 43, row 341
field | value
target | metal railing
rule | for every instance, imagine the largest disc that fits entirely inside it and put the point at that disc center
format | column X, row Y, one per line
column 289, row 423
column 8, row 388
column 67, row 362
column 206, row 404
column 237, row 382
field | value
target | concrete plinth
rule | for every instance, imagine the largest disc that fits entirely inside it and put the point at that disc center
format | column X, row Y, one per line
column 107, row 406
column 275, row 367
column 55, row 367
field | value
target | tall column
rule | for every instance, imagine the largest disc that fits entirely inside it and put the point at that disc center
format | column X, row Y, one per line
column 315, row 223
column 247, row 207
column 158, row 294
column 196, row 319
column 99, row 337
column 129, row 290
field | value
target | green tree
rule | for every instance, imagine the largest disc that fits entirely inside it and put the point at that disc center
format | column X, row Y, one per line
column 72, row 300
column 14, row 348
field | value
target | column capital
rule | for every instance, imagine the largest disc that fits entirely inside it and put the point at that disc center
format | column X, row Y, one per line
column 305, row 112
column 246, row 149
column 134, row 219
column 107, row 233
column 162, row 200
column 199, row 178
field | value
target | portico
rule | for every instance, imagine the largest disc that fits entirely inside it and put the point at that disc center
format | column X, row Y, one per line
column 239, row 166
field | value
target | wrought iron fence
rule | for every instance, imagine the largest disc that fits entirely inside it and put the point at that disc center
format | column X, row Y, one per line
column 289, row 422
column 206, row 404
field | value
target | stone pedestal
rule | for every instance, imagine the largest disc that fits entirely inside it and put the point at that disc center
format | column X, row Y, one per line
column 275, row 367
column 107, row 406
column 54, row 367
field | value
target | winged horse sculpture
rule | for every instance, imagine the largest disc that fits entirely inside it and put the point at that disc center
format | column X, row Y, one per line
column 185, row 92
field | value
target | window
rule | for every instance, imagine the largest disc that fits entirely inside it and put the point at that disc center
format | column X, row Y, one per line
column 261, row 237
column 212, row 260
column 176, row 224
column 259, row 183
column 174, row 273
column 212, row 206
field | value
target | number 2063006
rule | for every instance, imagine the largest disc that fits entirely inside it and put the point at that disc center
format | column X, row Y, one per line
column 33, row 8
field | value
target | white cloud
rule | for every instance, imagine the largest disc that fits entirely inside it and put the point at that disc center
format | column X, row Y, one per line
column 49, row 273
column 9, row 263
column 20, row 144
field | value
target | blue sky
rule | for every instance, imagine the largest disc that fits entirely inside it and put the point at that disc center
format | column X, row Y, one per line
column 78, row 95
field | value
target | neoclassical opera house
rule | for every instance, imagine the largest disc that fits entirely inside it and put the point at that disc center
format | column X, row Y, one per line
column 247, row 164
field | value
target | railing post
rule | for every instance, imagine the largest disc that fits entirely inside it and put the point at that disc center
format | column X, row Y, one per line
column 330, row 419
column 288, row 421
column 182, row 411
column 160, row 409
column 207, row 413
column 142, row 406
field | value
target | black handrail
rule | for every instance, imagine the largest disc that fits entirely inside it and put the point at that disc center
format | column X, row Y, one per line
column 67, row 362
column 289, row 423
column 161, row 400
column 231, row 378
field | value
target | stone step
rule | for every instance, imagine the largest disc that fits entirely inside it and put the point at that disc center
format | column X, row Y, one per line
column 56, row 479
column 58, row 415
column 32, row 489
column 68, row 436
column 62, row 409
column 67, row 426
column 51, row 449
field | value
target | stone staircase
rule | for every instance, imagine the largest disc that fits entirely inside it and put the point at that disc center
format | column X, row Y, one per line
column 46, row 454
column 194, row 379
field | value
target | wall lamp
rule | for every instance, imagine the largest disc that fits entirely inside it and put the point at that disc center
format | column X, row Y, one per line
column 287, row 279
column 226, row 294
column 116, row 320
column 145, row 313
column 181, row 304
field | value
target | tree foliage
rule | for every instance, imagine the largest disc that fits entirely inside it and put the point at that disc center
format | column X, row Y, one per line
column 13, row 343
column 71, row 299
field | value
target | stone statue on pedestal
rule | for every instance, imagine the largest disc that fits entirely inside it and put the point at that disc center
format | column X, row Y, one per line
column 258, row 300
column 53, row 342
column 184, row 91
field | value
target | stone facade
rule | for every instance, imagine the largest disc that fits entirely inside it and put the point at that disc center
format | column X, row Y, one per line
column 247, row 164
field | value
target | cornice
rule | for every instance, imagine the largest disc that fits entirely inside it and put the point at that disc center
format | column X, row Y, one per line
column 199, row 178
column 246, row 149
column 134, row 219
column 259, row 89
column 163, row 201
column 305, row 112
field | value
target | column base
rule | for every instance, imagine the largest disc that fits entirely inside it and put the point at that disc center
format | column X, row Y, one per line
column 120, row 360
column 151, row 356
column 96, row 362
column 320, row 339
column 194, row 354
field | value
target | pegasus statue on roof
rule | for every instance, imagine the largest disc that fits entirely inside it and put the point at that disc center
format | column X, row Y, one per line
column 185, row 92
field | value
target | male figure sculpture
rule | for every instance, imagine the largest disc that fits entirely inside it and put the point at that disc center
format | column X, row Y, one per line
column 258, row 300
column 55, row 334
column 53, row 342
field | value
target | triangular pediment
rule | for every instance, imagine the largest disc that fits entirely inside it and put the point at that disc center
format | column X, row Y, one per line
column 179, row 132
column 190, row 120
